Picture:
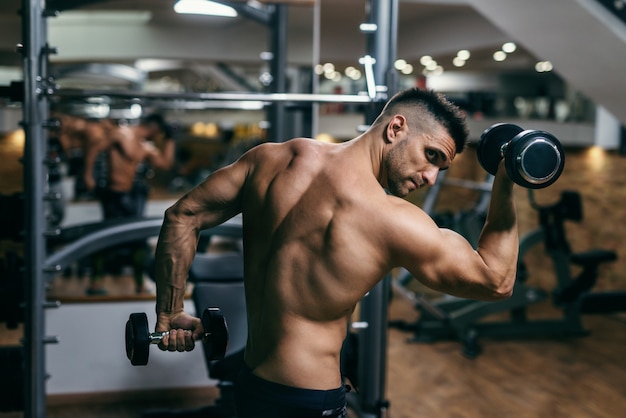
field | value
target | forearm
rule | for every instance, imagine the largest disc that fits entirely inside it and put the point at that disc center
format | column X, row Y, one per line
column 499, row 241
column 163, row 160
column 175, row 251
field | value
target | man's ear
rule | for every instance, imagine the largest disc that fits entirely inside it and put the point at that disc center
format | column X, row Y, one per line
column 395, row 128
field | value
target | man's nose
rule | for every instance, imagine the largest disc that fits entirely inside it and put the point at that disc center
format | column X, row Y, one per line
column 430, row 176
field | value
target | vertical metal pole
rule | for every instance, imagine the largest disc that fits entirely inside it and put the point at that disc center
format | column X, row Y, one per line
column 374, row 307
column 315, row 107
column 34, row 115
column 278, row 69
column 372, row 351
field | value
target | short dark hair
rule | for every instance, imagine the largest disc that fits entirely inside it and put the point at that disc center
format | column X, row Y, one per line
column 158, row 120
column 447, row 114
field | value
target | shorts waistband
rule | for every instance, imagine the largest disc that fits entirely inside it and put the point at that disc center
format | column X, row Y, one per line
column 313, row 399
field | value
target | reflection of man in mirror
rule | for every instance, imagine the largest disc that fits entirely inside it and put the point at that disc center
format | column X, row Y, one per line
column 117, row 159
column 115, row 162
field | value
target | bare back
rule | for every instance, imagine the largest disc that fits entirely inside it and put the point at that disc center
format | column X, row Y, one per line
column 309, row 258
column 125, row 156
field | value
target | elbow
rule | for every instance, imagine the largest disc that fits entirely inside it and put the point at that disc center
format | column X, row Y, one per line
column 502, row 293
column 503, row 289
column 180, row 215
column 175, row 213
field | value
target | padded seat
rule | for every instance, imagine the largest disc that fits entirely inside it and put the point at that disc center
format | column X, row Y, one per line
column 218, row 282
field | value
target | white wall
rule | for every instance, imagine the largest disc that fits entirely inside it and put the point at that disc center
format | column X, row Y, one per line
column 91, row 355
column 570, row 134
column 9, row 117
column 608, row 129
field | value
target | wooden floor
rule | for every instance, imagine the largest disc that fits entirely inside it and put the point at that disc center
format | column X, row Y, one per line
column 583, row 377
column 580, row 378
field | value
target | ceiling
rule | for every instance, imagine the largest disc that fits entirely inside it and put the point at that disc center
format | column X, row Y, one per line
column 437, row 28
column 570, row 33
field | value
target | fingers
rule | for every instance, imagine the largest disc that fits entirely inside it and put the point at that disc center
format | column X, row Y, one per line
column 177, row 340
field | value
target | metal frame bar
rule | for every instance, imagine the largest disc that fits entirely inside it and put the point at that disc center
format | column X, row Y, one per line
column 34, row 28
column 199, row 97
column 124, row 232
column 278, row 45
column 372, row 347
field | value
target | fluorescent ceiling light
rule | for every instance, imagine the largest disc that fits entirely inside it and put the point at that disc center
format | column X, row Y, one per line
column 204, row 7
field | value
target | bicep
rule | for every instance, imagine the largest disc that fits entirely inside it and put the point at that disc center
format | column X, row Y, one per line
column 440, row 258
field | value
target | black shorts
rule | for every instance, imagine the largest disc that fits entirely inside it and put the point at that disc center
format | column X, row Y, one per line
column 258, row 398
column 117, row 205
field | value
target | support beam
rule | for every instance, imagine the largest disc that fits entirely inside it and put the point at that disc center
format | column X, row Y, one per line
column 34, row 35
column 200, row 97
column 278, row 70
column 372, row 347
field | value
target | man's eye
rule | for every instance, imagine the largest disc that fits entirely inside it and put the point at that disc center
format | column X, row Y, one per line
column 432, row 155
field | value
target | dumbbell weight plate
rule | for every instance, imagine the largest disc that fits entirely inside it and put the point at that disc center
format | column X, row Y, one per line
column 137, row 339
column 490, row 144
column 216, row 333
column 535, row 159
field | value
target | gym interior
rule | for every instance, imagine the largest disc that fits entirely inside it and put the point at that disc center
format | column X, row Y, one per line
column 268, row 71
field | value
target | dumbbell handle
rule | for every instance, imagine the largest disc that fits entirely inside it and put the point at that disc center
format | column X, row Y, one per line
column 156, row 337
column 503, row 148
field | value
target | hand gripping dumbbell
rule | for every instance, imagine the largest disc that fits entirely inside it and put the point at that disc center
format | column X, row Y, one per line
column 533, row 159
column 139, row 338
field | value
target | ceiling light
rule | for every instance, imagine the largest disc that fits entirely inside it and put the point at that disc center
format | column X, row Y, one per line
column 329, row 68
column 408, row 69
column 399, row 64
column 509, row 47
column 352, row 73
column 368, row 27
column 336, row 77
column 204, row 7
column 543, row 66
column 356, row 75
column 499, row 56
column 463, row 54
column 458, row 62
column 425, row 60
column 431, row 65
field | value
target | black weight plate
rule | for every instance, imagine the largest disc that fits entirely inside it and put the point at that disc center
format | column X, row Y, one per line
column 535, row 159
column 137, row 339
column 490, row 144
column 216, row 333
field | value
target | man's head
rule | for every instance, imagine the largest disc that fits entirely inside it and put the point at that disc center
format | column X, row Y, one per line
column 423, row 132
column 154, row 125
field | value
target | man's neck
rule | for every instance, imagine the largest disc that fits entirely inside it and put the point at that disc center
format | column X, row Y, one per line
column 370, row 146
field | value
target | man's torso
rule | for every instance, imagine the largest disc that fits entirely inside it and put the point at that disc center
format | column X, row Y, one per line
column 310, row 231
